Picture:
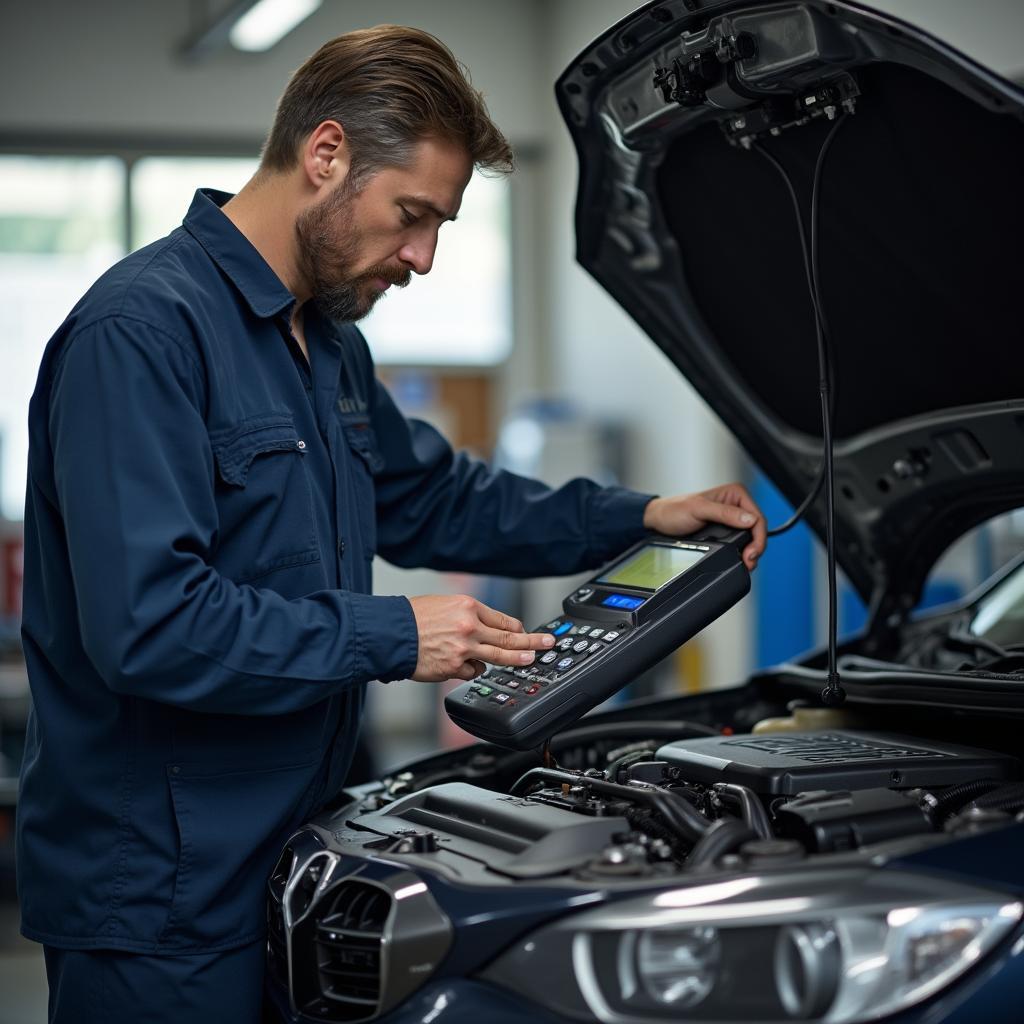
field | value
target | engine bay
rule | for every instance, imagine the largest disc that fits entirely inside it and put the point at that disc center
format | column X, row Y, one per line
column 698, row 802
column 748, row 788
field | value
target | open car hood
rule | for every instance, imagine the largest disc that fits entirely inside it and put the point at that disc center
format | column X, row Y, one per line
column 691, row 230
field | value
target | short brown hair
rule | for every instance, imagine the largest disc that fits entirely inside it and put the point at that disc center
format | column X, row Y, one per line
column 388, row 87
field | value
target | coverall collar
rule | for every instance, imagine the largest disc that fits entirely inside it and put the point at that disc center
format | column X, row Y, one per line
column 237, row 257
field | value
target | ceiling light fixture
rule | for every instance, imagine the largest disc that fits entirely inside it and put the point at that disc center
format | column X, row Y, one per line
column 251, row 25
column 269, row 21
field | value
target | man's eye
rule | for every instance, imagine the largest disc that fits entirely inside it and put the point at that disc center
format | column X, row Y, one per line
column 407, row 217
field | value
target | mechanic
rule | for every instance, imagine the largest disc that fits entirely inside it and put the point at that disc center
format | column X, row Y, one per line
column 212, row 467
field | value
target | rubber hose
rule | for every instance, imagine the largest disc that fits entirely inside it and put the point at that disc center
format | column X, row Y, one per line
column 953, row 799
column 1002, row 798
column 684, row 819
column 651, row 826
column 1008, row 803
column 723, row 837
column 626, row 761
column 752, row 810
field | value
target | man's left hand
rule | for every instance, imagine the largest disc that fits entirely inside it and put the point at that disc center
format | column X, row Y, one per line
column 729, row 504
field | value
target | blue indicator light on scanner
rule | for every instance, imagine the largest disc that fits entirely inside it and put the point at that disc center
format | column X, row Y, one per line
column 563, row 628
column 622, row 601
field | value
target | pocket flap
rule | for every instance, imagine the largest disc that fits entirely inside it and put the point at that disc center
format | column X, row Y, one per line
column 363, row 441
column 235, row 449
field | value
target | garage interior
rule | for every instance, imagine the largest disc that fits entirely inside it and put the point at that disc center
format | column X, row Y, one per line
column 113, row 112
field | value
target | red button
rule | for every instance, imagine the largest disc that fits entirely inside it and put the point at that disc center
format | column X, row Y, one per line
column 531, row 690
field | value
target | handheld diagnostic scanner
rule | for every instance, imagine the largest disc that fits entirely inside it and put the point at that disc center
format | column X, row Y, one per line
column 629, row 616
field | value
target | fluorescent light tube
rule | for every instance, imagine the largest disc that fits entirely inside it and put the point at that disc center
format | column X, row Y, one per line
column 268, row 21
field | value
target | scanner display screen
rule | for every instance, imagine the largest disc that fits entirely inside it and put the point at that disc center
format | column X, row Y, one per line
column 651, row 567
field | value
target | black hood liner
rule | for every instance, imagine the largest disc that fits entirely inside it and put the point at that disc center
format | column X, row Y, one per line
column 921, row 255
column 920, row 260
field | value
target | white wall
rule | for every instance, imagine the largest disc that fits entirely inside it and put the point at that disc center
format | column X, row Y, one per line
column 111, row 65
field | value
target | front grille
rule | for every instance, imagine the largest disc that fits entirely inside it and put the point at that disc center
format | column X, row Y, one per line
column 355, row 948
column 347, row 946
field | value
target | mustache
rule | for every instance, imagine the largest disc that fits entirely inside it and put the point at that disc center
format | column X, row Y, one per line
column 393, row 276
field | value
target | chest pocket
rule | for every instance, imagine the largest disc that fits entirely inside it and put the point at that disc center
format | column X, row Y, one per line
column 364, row 463
column 264, row 500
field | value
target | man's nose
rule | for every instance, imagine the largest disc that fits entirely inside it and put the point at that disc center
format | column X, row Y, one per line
column 419, row 254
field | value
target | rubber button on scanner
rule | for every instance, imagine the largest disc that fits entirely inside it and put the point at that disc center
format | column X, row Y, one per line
column 531, row 690
column 546, row 659
column 501, row 698
column 563, row 628
column 566, row 663
column 580, row 645
column 484, row 691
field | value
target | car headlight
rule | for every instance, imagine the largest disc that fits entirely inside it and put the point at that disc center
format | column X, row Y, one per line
column 834, row 947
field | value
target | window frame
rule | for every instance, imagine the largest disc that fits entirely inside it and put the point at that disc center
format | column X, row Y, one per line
column 130, row 149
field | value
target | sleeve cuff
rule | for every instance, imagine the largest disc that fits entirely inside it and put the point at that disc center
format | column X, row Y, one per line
column 386, row 639
column 616, row 520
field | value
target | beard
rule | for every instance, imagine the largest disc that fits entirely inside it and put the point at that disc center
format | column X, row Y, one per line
column 328, row 245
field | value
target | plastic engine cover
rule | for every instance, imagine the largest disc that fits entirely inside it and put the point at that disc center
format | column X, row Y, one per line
column 790, row 763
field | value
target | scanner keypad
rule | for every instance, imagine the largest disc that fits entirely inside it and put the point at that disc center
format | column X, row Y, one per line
column 578, row 642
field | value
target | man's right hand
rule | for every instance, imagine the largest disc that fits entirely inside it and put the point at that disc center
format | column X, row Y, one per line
column 458, row 634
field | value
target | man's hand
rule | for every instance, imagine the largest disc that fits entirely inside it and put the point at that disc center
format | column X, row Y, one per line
column 729, row 504
column 458, row 634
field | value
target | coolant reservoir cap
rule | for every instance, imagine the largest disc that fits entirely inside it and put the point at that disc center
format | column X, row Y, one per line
column 769, row 852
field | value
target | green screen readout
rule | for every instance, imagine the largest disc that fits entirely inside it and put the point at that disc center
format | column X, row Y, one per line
column 651, row 567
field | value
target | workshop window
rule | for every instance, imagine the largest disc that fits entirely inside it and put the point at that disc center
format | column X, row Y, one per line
column 61, row 226
column 462, row 318
column 462, row 314
column 162, row 189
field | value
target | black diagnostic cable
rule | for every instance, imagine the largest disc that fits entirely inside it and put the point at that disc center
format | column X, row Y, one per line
column 833, row 693
column 822, row 347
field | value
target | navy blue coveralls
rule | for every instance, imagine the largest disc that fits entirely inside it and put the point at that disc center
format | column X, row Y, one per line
column 203, row 507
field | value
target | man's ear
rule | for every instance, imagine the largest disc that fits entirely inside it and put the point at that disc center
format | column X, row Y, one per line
column 325, row 156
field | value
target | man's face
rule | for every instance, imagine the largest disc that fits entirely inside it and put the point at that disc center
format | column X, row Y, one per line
column 357, row 242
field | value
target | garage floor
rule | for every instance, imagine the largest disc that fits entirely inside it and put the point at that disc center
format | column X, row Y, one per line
column 22, row 975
